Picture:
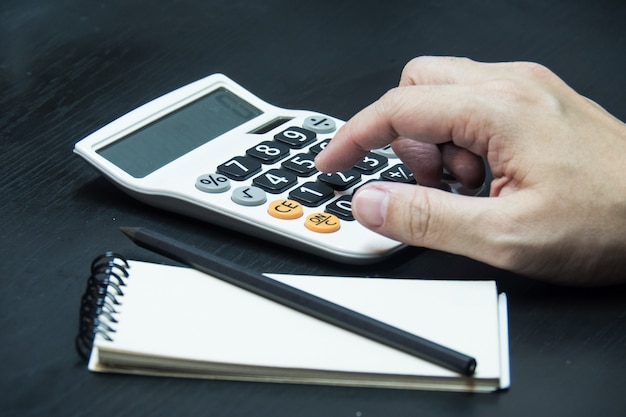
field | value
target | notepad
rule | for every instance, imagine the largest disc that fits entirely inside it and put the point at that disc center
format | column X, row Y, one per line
column 176, row 321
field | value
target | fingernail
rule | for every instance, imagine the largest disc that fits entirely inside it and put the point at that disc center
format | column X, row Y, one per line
column 370, row 205
column 319, row 163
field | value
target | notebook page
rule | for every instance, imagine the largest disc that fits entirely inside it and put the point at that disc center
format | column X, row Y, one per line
column 180, row 312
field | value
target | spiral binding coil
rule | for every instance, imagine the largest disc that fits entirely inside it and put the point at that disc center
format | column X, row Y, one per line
column 97, row 308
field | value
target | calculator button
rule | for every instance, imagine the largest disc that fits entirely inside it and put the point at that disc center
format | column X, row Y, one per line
column 319, row 124
column 248, row 196
column 319, row 147
column 342, row 208
column 372, row 163
column 398, row 173
column 269, row 151
column 240, row 168
column 296, row 137
column 302, row 164
column 322, row 222
column 275, row 181
column 387, row 152
column 212, row 183
column 285, row 209
column 312, row 194
column 341, row 180
column 365, row 183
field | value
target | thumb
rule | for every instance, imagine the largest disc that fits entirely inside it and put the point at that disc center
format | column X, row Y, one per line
column 428, row 217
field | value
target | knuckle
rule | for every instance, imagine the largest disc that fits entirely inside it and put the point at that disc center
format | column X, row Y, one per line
column 534, row 70
column 422, row 219
column 415, row 65
column 523, row 93
column 387, row 107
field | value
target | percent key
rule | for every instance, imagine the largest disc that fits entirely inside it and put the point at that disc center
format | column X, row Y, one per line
column 213, row 183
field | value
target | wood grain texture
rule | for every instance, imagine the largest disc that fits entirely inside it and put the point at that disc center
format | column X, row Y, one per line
column 68, row 67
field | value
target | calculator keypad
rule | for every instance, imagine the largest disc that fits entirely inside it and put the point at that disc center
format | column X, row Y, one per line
column 289, row 146
column 314, row 193
column 288, row 160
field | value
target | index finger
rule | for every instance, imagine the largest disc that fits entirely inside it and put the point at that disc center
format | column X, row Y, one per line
column 427, row 113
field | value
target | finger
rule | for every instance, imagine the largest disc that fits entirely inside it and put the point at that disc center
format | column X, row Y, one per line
column 467, row 167
column 432, row 114
column 424, row 160
column 431, row 218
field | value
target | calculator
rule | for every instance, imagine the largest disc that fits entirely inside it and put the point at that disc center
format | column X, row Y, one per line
column 214, row 151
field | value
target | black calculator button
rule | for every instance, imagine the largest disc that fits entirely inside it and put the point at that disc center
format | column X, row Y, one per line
column 365, row 183
column 342, row 208
column 296, row 137
column 269, row 151
column 275, row 181
column 312, row 194
column 240, row 168
column 302, row 164
column 341, row 180
column 372, row 163
column 398, row 173
column 319, row 147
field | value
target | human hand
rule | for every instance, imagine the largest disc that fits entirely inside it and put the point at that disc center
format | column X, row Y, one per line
column 557, row 204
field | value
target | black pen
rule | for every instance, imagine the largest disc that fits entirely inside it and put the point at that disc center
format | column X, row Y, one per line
column 302, row 301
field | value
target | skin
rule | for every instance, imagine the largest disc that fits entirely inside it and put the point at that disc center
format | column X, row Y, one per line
column 557, row 204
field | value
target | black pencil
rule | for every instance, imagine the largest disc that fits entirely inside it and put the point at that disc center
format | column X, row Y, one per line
column 302, row 301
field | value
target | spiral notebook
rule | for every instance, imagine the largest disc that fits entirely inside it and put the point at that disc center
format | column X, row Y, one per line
column 152, row 319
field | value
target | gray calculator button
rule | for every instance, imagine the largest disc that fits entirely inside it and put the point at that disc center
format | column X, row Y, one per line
column 213, row 183
column 249, row 196
column 319, row 124
column 386, row 152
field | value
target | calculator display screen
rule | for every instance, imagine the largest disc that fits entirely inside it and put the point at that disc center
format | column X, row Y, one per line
column 159, row 143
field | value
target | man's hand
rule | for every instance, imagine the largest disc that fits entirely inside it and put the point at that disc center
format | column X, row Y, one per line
column 557, row 206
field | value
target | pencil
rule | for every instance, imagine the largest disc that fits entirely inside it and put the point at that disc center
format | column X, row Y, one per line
column 302, row 301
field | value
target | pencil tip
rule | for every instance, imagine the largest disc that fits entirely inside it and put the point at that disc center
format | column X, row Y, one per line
column 129, row 231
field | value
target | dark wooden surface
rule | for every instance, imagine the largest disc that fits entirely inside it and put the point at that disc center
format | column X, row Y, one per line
column 67, row 67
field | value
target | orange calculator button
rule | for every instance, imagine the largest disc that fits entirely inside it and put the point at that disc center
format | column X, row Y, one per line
column 285, row 209
column 322, row 222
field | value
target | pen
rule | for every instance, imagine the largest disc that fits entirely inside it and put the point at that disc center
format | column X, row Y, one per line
column 302, row 301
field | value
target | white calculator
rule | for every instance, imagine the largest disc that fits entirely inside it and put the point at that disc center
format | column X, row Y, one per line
column 215, row 151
